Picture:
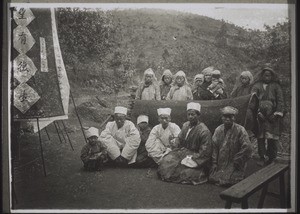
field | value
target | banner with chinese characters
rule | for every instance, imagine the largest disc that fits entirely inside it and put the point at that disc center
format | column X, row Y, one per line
column 40, row 84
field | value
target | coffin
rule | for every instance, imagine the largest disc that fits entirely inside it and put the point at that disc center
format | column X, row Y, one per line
column 210, row 111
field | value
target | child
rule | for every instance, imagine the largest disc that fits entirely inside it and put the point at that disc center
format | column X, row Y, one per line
column 217, row 84
column 148, row 89
column 165, row 84
column 93, row 154
column 180, row 89
column 143, row 160
column 198, row 81
column 243, row 84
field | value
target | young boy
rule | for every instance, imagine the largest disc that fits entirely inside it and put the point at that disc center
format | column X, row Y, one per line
column 93, row 154
column 142, row 159
column 165, row 84
column 217, row 84
column 180, row 89
column 148, row 89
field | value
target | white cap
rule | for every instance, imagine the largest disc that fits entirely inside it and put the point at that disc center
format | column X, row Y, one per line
column 194, row 106
column 166, row 111
column 92, row 131
column 120, row 110
column 142, row 118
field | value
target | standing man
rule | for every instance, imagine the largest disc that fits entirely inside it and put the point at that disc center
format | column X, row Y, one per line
column 121, row 138
column 231, row 150
column 163, row 136
column 271, row 105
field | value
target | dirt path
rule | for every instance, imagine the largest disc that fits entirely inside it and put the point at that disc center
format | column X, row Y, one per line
column 67, row 186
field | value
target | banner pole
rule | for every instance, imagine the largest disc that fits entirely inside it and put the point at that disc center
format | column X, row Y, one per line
column 47, row 133
column 78, row 116
column 57, row 131
column 67, row 135
column 62, row 133
column 41, row 146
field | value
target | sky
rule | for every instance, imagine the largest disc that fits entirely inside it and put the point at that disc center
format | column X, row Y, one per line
column 252, row 16
column 246, row 15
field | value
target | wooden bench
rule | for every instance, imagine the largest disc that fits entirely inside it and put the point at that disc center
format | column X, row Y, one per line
column 240, row 192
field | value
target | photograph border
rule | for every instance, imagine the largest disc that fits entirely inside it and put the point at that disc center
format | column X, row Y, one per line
column 6, row 120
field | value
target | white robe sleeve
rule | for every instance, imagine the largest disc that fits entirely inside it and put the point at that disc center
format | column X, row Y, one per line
column 176, row 130
column 132, row 141
column 107, row 139
column 154, row 146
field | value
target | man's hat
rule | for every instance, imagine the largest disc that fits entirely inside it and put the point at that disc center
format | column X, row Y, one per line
column 193, row 106
column 166, row 111
column 120, row 110
column 229, row 110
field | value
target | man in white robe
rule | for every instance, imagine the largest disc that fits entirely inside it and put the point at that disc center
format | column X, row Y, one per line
column 162, row 137
column 121, row 138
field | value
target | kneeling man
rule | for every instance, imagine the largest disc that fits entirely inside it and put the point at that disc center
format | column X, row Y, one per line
column 121, row 138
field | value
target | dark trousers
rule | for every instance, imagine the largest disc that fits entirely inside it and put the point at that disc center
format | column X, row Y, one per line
column 270, row 151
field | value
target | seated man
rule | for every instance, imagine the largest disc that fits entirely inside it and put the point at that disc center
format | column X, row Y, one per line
column 189, row 164
column 162, row 137
column 143, row 160
column 121, row 138
column 93, row 154
column 231, row 150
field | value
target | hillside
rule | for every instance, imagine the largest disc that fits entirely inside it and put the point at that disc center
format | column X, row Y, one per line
column 109, row 51
column 187, row 40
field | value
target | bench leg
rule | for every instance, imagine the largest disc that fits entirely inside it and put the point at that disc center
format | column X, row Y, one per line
column 282, row 191
column 245, row 204
column 262, row 197
column 228, row 204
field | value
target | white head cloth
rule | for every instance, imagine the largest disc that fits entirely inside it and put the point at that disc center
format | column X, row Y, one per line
column 194, row 106
column 142, row 118
column 120, row 110
column 92, row 131
column 181, row 74
column 151, row 72
column 165, row 111
column 247, row 74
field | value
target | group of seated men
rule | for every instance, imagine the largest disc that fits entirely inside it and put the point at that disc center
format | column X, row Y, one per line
column 188, row 155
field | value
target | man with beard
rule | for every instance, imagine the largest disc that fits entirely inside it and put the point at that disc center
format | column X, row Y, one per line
column 190, row 162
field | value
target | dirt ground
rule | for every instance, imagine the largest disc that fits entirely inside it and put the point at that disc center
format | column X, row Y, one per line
column 68, row 186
